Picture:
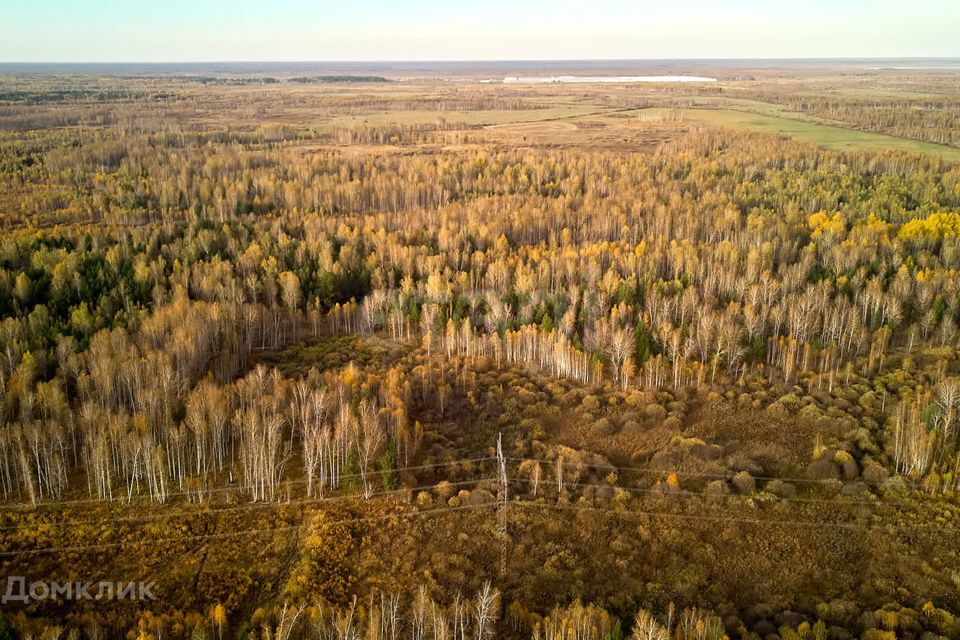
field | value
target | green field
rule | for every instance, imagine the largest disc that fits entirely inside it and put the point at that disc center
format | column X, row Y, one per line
column 481, row 118
column 824, row 135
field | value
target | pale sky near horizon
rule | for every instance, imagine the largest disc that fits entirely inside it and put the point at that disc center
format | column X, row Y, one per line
column 227, row 30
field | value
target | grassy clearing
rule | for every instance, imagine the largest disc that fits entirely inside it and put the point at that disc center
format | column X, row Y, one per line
column 823, row 135
column 327, row 353
column 483, row 118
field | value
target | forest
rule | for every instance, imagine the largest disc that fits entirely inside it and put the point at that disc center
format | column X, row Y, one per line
column 354, row 357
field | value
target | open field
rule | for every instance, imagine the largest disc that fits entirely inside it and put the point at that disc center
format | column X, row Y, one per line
column 804, row 130
column 479, row 118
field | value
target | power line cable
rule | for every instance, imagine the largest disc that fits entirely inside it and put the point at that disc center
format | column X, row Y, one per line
column 252, row 531
column 239, row 487
column 250, row 506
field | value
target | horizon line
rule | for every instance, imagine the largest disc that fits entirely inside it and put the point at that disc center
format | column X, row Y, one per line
column 490, row 60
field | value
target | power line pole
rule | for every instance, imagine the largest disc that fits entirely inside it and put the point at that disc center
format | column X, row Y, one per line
column 502, row 519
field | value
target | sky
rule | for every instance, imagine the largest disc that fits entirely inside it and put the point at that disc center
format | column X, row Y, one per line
column 379, row 30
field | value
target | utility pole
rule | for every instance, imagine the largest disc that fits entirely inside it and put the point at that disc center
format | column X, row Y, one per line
column 502, row 515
